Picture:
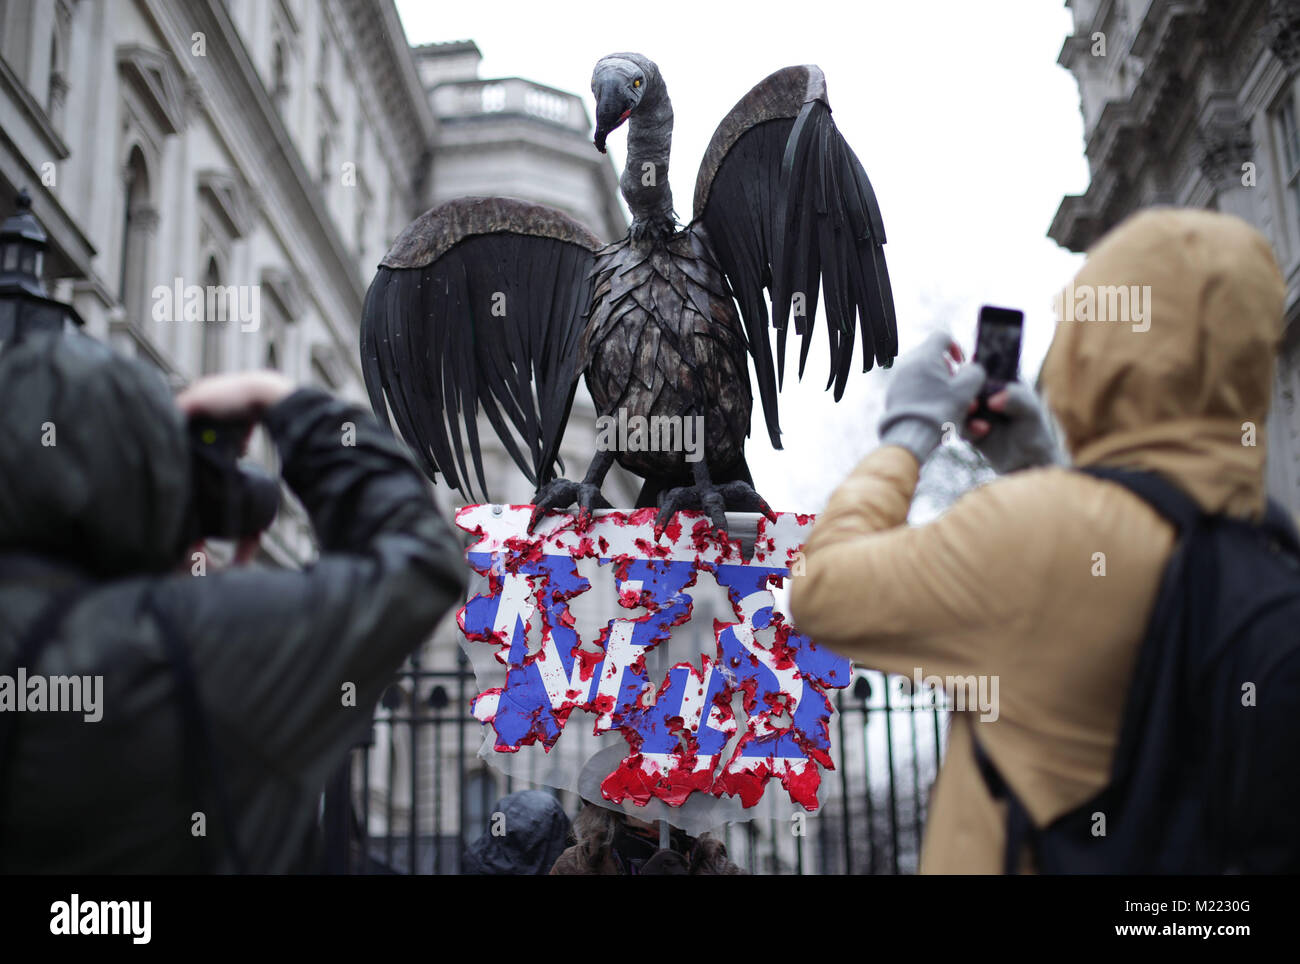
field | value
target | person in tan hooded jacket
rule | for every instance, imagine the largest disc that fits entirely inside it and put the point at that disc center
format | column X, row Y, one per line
column 1046, row 577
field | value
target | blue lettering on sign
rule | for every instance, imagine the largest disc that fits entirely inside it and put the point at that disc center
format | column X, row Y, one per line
column 677, row 728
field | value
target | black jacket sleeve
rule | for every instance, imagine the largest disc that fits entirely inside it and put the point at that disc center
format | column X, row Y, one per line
column 290, row 664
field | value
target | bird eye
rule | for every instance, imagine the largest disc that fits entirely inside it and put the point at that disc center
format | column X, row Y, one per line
column 637, row 82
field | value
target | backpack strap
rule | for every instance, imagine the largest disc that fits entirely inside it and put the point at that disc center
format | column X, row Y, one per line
column 1182, row 511
column 41, row 630
column 1020, row 829
column 200, row 755
column 1281, row 525
column 1161, row 494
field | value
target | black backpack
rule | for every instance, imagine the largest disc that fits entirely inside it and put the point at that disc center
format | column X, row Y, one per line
column 1206, row 775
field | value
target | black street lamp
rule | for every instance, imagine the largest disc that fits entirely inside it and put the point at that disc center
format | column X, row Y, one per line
column 25, row 305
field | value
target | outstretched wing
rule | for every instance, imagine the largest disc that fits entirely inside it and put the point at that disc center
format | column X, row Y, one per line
column 786, row 205
column 479, row 306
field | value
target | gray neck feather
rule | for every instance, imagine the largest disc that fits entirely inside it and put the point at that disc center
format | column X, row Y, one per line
column 645, row 178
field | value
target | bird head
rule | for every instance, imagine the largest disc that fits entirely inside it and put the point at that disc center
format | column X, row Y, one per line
column 619, row 84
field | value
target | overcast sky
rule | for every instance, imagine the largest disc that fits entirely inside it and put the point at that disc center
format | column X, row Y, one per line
column 967, row 127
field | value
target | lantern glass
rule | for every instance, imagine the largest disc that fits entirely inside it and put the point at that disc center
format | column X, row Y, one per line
column 45, row 317
column 8, row 257
column 27, row 261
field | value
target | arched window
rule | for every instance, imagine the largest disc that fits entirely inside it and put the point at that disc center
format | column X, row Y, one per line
column 139, row 219
column 323, row 59
column 279, row 75
column 323, row 151
column 57, row 86
column 214, row 328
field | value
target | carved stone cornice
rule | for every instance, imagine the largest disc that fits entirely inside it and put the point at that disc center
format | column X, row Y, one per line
column 158, row 83
column 1165, row 97
column 1162, row 21
column 1076, row 46
column 226, row 193
column 1223, row 145
column 327, row 359
column 1083, row 218
column 284, row 287
column 1282, row 31
column 1159, row 48
column 1114, row 132
column 1212, row 28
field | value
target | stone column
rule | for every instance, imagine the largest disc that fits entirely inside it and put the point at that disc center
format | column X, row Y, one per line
column 1227, row 159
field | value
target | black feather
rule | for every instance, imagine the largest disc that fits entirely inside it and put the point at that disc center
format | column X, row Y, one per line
column 440, row 347
column 786, row 206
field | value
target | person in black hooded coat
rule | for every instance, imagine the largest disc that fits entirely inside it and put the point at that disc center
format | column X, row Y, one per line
column 527, row 831
column 95, row 512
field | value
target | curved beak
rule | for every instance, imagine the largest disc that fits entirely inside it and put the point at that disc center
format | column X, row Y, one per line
column 612, row 108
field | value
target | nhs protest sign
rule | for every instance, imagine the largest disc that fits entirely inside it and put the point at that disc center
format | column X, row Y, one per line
column 656, row 675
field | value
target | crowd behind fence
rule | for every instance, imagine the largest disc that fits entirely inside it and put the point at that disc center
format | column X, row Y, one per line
column 411, row 798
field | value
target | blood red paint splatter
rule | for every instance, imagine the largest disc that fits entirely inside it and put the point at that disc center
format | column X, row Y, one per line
column 791, row 753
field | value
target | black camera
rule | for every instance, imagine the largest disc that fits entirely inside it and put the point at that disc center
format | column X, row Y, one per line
column 230, row 500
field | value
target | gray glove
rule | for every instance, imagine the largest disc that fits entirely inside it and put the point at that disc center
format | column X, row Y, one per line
column 1025, row 442
column 925, row 398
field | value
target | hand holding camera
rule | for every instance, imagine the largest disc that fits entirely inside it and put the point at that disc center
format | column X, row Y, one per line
column 235, row 396
column 230, row 500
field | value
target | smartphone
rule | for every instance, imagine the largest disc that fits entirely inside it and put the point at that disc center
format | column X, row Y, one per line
column 997, row 348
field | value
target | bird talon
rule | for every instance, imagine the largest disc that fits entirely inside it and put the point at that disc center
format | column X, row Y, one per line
column 666, row 512
column 714, row 501
column 561, row 494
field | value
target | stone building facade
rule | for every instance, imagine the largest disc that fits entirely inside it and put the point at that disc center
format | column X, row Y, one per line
column 516, row 138
column 1195, row 103
column 220, row 178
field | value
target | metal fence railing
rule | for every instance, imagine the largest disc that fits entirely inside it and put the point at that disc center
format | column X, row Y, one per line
column 412, row 797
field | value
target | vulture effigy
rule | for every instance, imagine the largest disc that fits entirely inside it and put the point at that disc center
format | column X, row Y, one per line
column 497, row 305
